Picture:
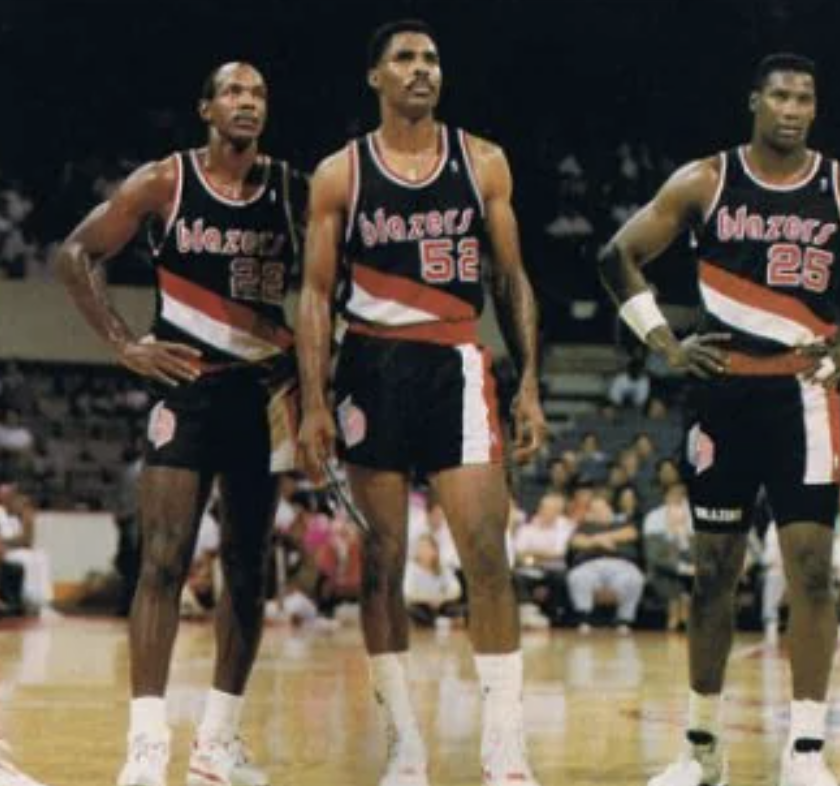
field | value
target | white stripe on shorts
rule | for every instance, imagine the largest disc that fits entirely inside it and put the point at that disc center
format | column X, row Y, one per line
column 819, row 454
column 476, row 437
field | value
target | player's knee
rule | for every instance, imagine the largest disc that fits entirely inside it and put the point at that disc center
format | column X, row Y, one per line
column 714, row 576
column 811, row 573
column 162, row 576
column 486, row 566
column 382, row 565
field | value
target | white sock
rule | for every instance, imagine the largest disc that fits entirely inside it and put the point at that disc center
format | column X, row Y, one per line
column 807, row 720
column 147, row 715
column 500, row 678
column 390, row 686
column 704, row 712
column 222, row 713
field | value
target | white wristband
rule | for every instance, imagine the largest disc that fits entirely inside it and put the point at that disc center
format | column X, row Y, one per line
column 641, row 314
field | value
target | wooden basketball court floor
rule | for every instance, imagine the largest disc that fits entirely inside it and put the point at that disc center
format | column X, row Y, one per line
column 600, row 710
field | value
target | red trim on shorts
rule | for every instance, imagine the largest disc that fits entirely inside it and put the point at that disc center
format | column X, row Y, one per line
column 834, row 426
column 757, row 296
column 412, row 294
column 491, row 400
column 223, row 310
column 447, row 334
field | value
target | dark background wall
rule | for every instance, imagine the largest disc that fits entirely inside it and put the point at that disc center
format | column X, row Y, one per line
column 89, row 83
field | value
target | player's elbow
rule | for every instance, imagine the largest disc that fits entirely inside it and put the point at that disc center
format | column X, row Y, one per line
column 66, row 259
column 609, row 260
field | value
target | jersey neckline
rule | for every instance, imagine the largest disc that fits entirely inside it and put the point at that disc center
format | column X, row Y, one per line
column 394, row 177
column 216, row 194
column 803, row 181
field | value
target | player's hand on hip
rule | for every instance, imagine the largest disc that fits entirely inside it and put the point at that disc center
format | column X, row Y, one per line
column 701, row 356
column 530, row 429
column 316, row 442
column 826, row 368
column 163, row 361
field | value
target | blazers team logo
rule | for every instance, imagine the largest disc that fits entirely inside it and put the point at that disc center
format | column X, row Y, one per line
column 701, row 449
column 352, row 422
column 162, row 423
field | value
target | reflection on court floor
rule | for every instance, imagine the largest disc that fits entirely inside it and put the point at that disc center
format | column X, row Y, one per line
column 600, row 709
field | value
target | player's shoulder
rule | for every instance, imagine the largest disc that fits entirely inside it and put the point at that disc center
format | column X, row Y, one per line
column 331, row 181
column 697, row 179
column 482, row 149
column 337, row 163
column 157, row 178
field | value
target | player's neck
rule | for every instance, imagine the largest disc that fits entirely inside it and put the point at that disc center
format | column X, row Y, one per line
column 227, row 162
column 404, row 135
column 778, row 166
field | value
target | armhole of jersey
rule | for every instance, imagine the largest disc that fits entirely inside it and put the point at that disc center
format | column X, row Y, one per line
column 465, row 152
column 355, row 185
column 176, row 204
column 707, row 214
column 287, row 209
column 835, row 183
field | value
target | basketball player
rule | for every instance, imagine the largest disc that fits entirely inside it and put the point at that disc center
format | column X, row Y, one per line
column 10, row 775
column 219, row 353
column 414, row 207
column 765, row 218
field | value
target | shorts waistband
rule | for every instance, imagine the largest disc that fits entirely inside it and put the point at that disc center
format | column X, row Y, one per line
column 782, row 364
column 448, row 334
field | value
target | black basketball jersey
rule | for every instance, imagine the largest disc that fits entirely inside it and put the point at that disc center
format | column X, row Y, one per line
column 414, row 249
column 223, row 265
column 766, row 257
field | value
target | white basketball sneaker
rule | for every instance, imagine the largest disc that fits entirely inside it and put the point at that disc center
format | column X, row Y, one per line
column 805, row 769
column 222, row 762
column 504, row 758
column 699, row 765
column 406, row 764
column 11, row 775
column 147, row 761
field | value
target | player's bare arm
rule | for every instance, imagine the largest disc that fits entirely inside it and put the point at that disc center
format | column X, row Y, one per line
column 81, row 260
column 512, row 293
column 678, row 206
column 328, row 208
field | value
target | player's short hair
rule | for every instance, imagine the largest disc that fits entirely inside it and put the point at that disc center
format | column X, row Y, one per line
column 382, row 36
column 782, row 61
column 211, row 82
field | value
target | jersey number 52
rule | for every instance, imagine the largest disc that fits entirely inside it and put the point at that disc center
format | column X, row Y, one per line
column 441, row 261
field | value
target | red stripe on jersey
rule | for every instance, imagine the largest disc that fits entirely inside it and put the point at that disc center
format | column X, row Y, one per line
column 757, row 296
column 234, row 314
column 491, row 399
column 449, row 334
column 412, row 294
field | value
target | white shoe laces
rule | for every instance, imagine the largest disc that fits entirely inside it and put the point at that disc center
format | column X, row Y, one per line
column 144, row 750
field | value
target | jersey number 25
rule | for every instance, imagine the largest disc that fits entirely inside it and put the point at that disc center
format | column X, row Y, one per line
column 790, row 267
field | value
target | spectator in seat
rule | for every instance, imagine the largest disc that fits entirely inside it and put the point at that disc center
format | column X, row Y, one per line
column 631, row 387
column 605, row 558
column 667, row 540
column 540, row 547
column 432, row 590
column 17, row 532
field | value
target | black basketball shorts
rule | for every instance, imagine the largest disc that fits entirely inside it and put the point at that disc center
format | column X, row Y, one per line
column 410, row 405
column 225, row 420
column 745, row 432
